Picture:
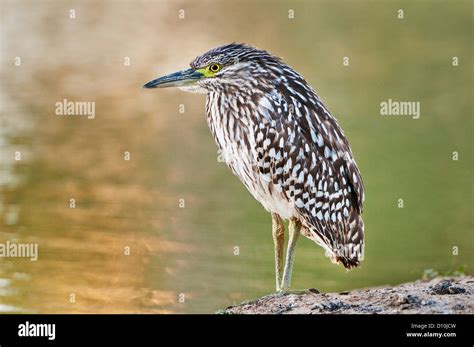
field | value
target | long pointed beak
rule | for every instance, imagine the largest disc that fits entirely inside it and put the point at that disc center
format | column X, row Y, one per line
column 177, row 79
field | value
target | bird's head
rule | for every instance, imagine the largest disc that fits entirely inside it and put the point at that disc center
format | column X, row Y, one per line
column 233, row 65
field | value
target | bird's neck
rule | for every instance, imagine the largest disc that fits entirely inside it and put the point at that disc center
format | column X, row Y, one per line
column 229, row 117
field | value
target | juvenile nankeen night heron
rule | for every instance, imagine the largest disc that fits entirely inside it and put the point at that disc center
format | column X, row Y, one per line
column 276, row 135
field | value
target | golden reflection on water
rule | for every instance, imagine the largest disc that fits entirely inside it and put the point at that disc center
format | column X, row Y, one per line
column 128, row 246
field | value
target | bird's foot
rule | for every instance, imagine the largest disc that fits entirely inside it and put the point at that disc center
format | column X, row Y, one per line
column 280, row 293
column 283, row 292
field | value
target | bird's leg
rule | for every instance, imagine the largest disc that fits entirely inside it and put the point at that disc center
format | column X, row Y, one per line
column 294, row 232
column 278, row 232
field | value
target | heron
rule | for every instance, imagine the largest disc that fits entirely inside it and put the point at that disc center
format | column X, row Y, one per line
column 276, row 135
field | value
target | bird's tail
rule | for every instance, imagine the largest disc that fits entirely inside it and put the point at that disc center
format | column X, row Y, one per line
column 344, row 247
column 349, row 247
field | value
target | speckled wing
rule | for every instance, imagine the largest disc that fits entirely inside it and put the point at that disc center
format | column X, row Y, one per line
column 304, row 153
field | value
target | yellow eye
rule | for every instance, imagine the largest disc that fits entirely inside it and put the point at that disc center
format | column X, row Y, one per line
column 214, row 68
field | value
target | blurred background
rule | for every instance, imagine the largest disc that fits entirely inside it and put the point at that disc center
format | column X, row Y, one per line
column 197, row 240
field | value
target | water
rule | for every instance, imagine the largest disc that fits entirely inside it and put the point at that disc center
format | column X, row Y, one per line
column 171, row 229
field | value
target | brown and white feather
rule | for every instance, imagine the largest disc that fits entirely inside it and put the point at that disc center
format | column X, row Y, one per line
column 277, row 136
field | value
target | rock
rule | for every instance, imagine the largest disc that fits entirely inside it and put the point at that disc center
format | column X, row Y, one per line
column 452, row 295
column 402, row 299
column 446, row 287
column 334, row 305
